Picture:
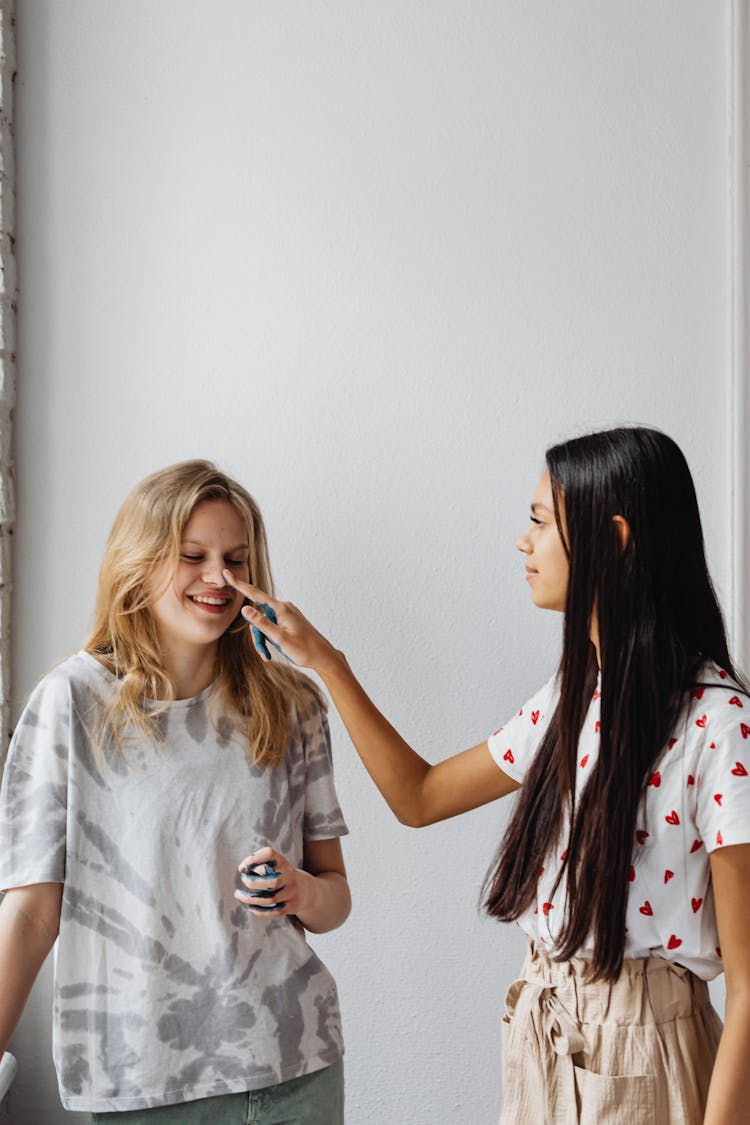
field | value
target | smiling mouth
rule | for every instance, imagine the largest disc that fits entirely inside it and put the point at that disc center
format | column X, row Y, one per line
column 208, row 601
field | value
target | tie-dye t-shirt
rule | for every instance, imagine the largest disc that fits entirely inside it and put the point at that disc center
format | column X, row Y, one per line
column 166, row 988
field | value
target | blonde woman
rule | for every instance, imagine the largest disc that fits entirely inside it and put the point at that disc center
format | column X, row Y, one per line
column 168, row 809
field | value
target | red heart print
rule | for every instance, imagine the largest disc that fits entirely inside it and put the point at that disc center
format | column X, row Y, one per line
column 672, row 742
column 702, row 721
column 495, row 733
column 735, row 701
column 696, row 845
column 718, row 951
column 712, row 745
column 696, row 904
column 646, row 909
column 745, row 730
column 691, row 779
column 520, row 712
column 541, row 872
column 631, row 874
column 535, row 717
column 597, row 694
column 655, row 779
column 672, row 818
column 698, row 693
column 718, row 797
column 508, row 756
column 739, row 770
column 584, row 760
column 674, row 942
column 723, row 674
column 597, row 727
column 668, row 875
column 564, row 855
column 719, row 840
column 641, row 835
column 546, row 907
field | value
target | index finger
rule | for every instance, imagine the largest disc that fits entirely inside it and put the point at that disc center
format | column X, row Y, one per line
column 254, row 593
column 263, row 855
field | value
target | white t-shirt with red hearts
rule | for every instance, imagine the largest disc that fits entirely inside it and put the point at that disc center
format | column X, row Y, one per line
column 697, row 799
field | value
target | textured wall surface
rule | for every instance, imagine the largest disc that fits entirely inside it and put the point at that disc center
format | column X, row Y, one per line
column 372, row 259
column 8, row 293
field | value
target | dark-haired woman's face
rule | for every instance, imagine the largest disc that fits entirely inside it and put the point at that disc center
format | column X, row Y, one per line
column 546, row 561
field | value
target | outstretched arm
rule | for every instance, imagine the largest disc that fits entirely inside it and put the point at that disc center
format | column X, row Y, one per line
column 417, row 792
column 29, row 922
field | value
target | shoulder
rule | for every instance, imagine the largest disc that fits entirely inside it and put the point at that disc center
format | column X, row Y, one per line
column 514, row 744
column 534, row 714
column 60, row 681
column 76, row 681
column 717, row 707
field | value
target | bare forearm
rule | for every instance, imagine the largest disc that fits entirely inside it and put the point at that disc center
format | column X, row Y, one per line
column 417, row 792
column 325, row 901
column 397, row 770
column 729, row 1093
column 25, row 941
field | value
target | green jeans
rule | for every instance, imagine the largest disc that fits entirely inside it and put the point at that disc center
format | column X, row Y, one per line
column 313, row 1099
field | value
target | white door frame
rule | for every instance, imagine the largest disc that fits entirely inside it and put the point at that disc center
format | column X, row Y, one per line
column 739, row 327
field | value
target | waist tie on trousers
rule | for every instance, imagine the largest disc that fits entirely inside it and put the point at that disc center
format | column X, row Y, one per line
column 543, row 1019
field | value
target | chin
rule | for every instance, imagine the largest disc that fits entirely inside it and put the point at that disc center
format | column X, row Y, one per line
column 553, row 604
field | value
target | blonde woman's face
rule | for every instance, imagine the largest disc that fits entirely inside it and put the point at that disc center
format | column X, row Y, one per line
column 194, row 606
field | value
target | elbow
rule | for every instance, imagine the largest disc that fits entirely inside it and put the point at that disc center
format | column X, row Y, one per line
column 338, row 908
column 417, row 807
column 345, row 903
column 413, row 818
column 346, row 906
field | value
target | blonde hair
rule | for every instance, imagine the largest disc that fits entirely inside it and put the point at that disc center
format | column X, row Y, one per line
column 146, row 533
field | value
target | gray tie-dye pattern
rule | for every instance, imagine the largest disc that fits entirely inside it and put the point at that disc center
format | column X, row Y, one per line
column 74, row 1069
column 166, row 988
column 224, row 730
column 196, row 723
column 120, row 869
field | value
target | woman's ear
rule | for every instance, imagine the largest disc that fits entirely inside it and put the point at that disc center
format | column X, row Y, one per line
column 623, row 530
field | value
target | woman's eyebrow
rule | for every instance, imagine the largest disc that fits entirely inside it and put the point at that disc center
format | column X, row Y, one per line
column 197, row 543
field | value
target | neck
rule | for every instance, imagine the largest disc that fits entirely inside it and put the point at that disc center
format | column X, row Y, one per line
column 594, row 634
column 191, row 670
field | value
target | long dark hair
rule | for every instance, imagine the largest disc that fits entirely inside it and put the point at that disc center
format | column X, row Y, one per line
column 658, row 621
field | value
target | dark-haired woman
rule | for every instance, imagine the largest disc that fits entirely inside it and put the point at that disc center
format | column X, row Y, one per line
column 627, row 860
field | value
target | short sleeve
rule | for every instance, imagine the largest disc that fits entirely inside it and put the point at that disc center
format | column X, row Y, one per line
column 514, row 745
column 33, row 795
column 323, row 818
column 723, row 788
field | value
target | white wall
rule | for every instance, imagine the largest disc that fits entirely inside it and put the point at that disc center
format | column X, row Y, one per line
column 372, row 259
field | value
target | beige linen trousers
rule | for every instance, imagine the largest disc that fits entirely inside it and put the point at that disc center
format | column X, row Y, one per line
column 638, row 1051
